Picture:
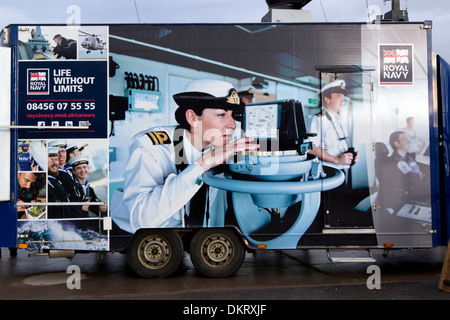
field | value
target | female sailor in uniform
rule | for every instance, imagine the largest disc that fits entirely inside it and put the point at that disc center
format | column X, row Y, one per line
column 165, row 166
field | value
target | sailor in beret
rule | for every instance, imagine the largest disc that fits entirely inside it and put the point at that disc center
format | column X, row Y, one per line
column 166, row 164
column 331, row 143
column 86, row 193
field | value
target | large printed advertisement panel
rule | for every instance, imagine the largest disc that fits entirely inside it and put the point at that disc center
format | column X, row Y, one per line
column 62, row 149
column 279, row 72
column 383, row 118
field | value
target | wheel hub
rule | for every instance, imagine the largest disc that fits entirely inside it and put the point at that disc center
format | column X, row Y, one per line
column 154, row 252
column 218, row 250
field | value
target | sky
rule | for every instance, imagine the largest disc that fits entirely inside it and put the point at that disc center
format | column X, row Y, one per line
column 215, row 11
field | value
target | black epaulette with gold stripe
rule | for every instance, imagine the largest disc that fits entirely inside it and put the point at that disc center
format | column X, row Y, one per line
column 320, row 114
column 159, row 137
column 324, row 113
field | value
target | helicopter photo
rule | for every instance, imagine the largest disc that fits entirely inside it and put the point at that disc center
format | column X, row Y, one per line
column 92, row 42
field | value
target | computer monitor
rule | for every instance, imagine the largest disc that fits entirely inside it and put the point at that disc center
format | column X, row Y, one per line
column 277, row 126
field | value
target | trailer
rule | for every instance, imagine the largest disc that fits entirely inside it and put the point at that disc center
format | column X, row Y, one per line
column 74, row 97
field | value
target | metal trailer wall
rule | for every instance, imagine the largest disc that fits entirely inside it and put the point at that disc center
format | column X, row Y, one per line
column 242, row 52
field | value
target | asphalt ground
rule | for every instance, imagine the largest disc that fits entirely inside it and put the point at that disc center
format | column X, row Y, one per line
column 279, row 275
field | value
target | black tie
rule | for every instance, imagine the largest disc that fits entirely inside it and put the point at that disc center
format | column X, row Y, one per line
column 197, row 208
column 198, row 201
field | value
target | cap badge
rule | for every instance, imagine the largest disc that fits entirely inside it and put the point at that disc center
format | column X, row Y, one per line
column 233, row 98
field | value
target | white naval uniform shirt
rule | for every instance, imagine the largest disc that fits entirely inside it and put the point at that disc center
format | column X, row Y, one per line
column 155, row 194
column 329, row 136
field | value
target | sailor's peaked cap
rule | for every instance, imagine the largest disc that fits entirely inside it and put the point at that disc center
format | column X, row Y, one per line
column 79, row 160
column 202, row 94
column 337, row 86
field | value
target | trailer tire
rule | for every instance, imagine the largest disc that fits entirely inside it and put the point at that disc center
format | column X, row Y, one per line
column 155, row 253
column 216, row 253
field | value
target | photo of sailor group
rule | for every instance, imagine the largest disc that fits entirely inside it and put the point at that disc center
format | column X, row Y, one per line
column 61, row 179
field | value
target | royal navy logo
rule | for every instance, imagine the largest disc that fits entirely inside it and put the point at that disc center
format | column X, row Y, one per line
column 38, row 81
column 396, row 64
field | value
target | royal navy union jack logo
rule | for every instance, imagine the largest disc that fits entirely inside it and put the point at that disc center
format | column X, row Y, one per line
column 38, row 81
column 396, row 64
column 396, row 56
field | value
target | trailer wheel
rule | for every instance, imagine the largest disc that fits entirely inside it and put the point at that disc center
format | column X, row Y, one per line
column 155, row 253
column 216, row 253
